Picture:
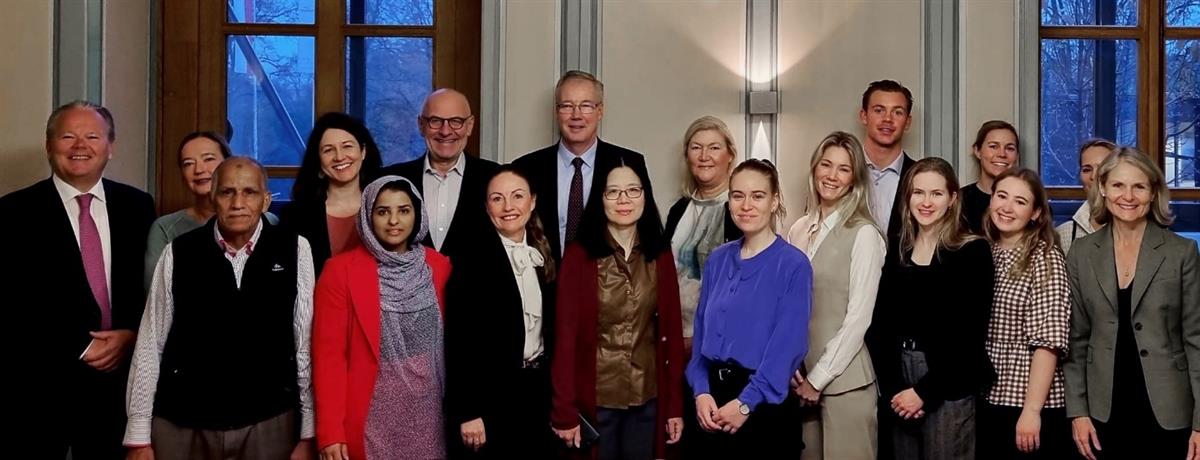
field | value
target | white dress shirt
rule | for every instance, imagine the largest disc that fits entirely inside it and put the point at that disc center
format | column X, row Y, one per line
column 441, row 197
column 99, row 210
column 866, row 267
column 524, row 259
column 566, row 171
column 884, row 185
column 156, row 325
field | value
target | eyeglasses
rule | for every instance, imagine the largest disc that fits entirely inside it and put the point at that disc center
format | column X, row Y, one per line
column 586, row 108
column 438, row 122
column 613, row 194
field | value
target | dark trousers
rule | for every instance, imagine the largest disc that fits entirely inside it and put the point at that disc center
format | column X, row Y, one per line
column 88, row 417
column 521, row 426
column 771, row 431
column 997, row 432
column 627, row 434
column 1134, row 439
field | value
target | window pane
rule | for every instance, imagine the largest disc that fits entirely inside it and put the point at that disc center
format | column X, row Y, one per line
column 1089, row 89
column 1183, row 13
column 1089, row 12
column 270, row 11
column 269, row 99
column 281, row 192
column 390, row 12
column 1182, row 113
column 387, row 80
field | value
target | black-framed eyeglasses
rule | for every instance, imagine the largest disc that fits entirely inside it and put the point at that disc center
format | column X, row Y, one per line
column 438, row 122
column 613, row 194
column 585, row 108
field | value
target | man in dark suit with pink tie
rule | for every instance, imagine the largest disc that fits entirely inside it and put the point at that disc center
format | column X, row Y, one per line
column 75, row 243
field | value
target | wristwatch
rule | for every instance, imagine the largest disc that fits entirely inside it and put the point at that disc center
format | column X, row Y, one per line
column 743, row 409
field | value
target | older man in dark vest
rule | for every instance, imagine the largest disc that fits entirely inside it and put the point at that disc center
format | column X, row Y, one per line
column 221, row 366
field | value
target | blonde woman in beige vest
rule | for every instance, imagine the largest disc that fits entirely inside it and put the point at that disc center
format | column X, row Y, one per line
column 837, row 381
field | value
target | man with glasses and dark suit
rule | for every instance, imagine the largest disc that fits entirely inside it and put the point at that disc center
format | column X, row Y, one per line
column 562, row 174
column 452, row 182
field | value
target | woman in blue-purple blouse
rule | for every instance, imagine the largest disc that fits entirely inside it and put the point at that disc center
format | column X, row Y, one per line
column 751, row 328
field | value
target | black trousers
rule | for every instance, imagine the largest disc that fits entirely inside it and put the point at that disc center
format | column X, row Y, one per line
column 997, row 434
column 85, row 416
column 521, row 426
column 771, row 431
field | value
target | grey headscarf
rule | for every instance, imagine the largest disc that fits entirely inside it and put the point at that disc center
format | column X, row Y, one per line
column 405, row 280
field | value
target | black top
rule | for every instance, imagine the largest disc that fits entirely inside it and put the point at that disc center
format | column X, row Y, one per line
column 944, row 307
column 975, row 205
column 895, row 223
column 1129, row 381
column 485, row 335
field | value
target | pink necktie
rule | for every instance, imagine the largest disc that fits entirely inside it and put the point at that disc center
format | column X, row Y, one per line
column 93, row 259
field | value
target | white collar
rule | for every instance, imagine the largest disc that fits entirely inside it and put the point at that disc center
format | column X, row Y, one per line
column 1083, row 217
column 68, row 192
column 459, row 167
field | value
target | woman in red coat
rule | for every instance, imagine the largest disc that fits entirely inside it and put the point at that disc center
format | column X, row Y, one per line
column 618, row 357
column 377, row 335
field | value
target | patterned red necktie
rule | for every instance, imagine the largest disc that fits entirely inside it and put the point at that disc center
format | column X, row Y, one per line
column 93, row 259
column 575, row 201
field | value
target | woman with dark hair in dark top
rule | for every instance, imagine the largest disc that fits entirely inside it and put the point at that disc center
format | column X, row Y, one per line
column 340, row 159
column 997, row 149
column 499, row 331
column 928, row 344
column 618, row 360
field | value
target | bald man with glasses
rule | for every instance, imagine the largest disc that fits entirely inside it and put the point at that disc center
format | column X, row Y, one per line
column 452, row 182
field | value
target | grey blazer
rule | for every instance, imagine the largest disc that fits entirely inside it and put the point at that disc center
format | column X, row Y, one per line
column 1166, row 322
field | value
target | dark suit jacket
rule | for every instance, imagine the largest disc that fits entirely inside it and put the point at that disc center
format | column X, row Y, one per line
column 1165, row 305
column 676, row 213
column 485, row 335
column 43, row 245
column 895, row 224
column 542, row 168
column 470, row 216
column 51, row 311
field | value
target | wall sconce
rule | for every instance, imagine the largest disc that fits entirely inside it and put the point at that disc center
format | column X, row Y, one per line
column 762, row 94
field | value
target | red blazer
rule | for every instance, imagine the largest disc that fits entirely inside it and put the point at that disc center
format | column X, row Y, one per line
column 574, row 368
column 346, row 342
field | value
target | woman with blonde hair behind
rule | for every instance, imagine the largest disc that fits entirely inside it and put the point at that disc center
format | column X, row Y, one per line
column 837, row 382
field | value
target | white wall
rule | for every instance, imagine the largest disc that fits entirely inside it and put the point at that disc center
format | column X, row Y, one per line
column 530, row 71
column 829, row 50
column 127, row 88
column 665, row 64
column 27, row 32
column 26, row 94
column 989, row 72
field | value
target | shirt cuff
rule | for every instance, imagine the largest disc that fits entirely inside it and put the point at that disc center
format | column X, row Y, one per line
column 818, row 378
column 85, row 349
column 137, row 432
column 751, row 397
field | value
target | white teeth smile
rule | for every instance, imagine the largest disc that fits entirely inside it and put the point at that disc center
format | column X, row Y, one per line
column 79, row 157
column 509, row 217
column 341, row 166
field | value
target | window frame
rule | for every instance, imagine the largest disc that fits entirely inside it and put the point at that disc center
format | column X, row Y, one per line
column 1151, row 35
column 191, row 89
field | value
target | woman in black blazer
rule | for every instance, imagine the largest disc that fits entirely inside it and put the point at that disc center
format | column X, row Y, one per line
column 340, row 159
column 928, row 333
column 499, row 331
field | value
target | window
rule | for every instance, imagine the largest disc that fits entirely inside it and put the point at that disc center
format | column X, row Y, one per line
column 1127, row 70
column 263, row 70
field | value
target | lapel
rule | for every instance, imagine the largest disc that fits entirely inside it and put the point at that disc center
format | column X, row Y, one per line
column 364, row 296
column 508, row 295
column 1104, row 266
column 62, row 230
column 1149, row 259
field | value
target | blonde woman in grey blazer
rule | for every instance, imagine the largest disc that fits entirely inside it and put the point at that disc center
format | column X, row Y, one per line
column 1133, row 372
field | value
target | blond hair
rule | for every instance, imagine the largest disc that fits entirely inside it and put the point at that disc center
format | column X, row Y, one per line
column 1160, row 203
column 855, row 205
column 705, row 123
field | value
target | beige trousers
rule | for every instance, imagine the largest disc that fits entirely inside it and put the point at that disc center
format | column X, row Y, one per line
column 843, row 427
